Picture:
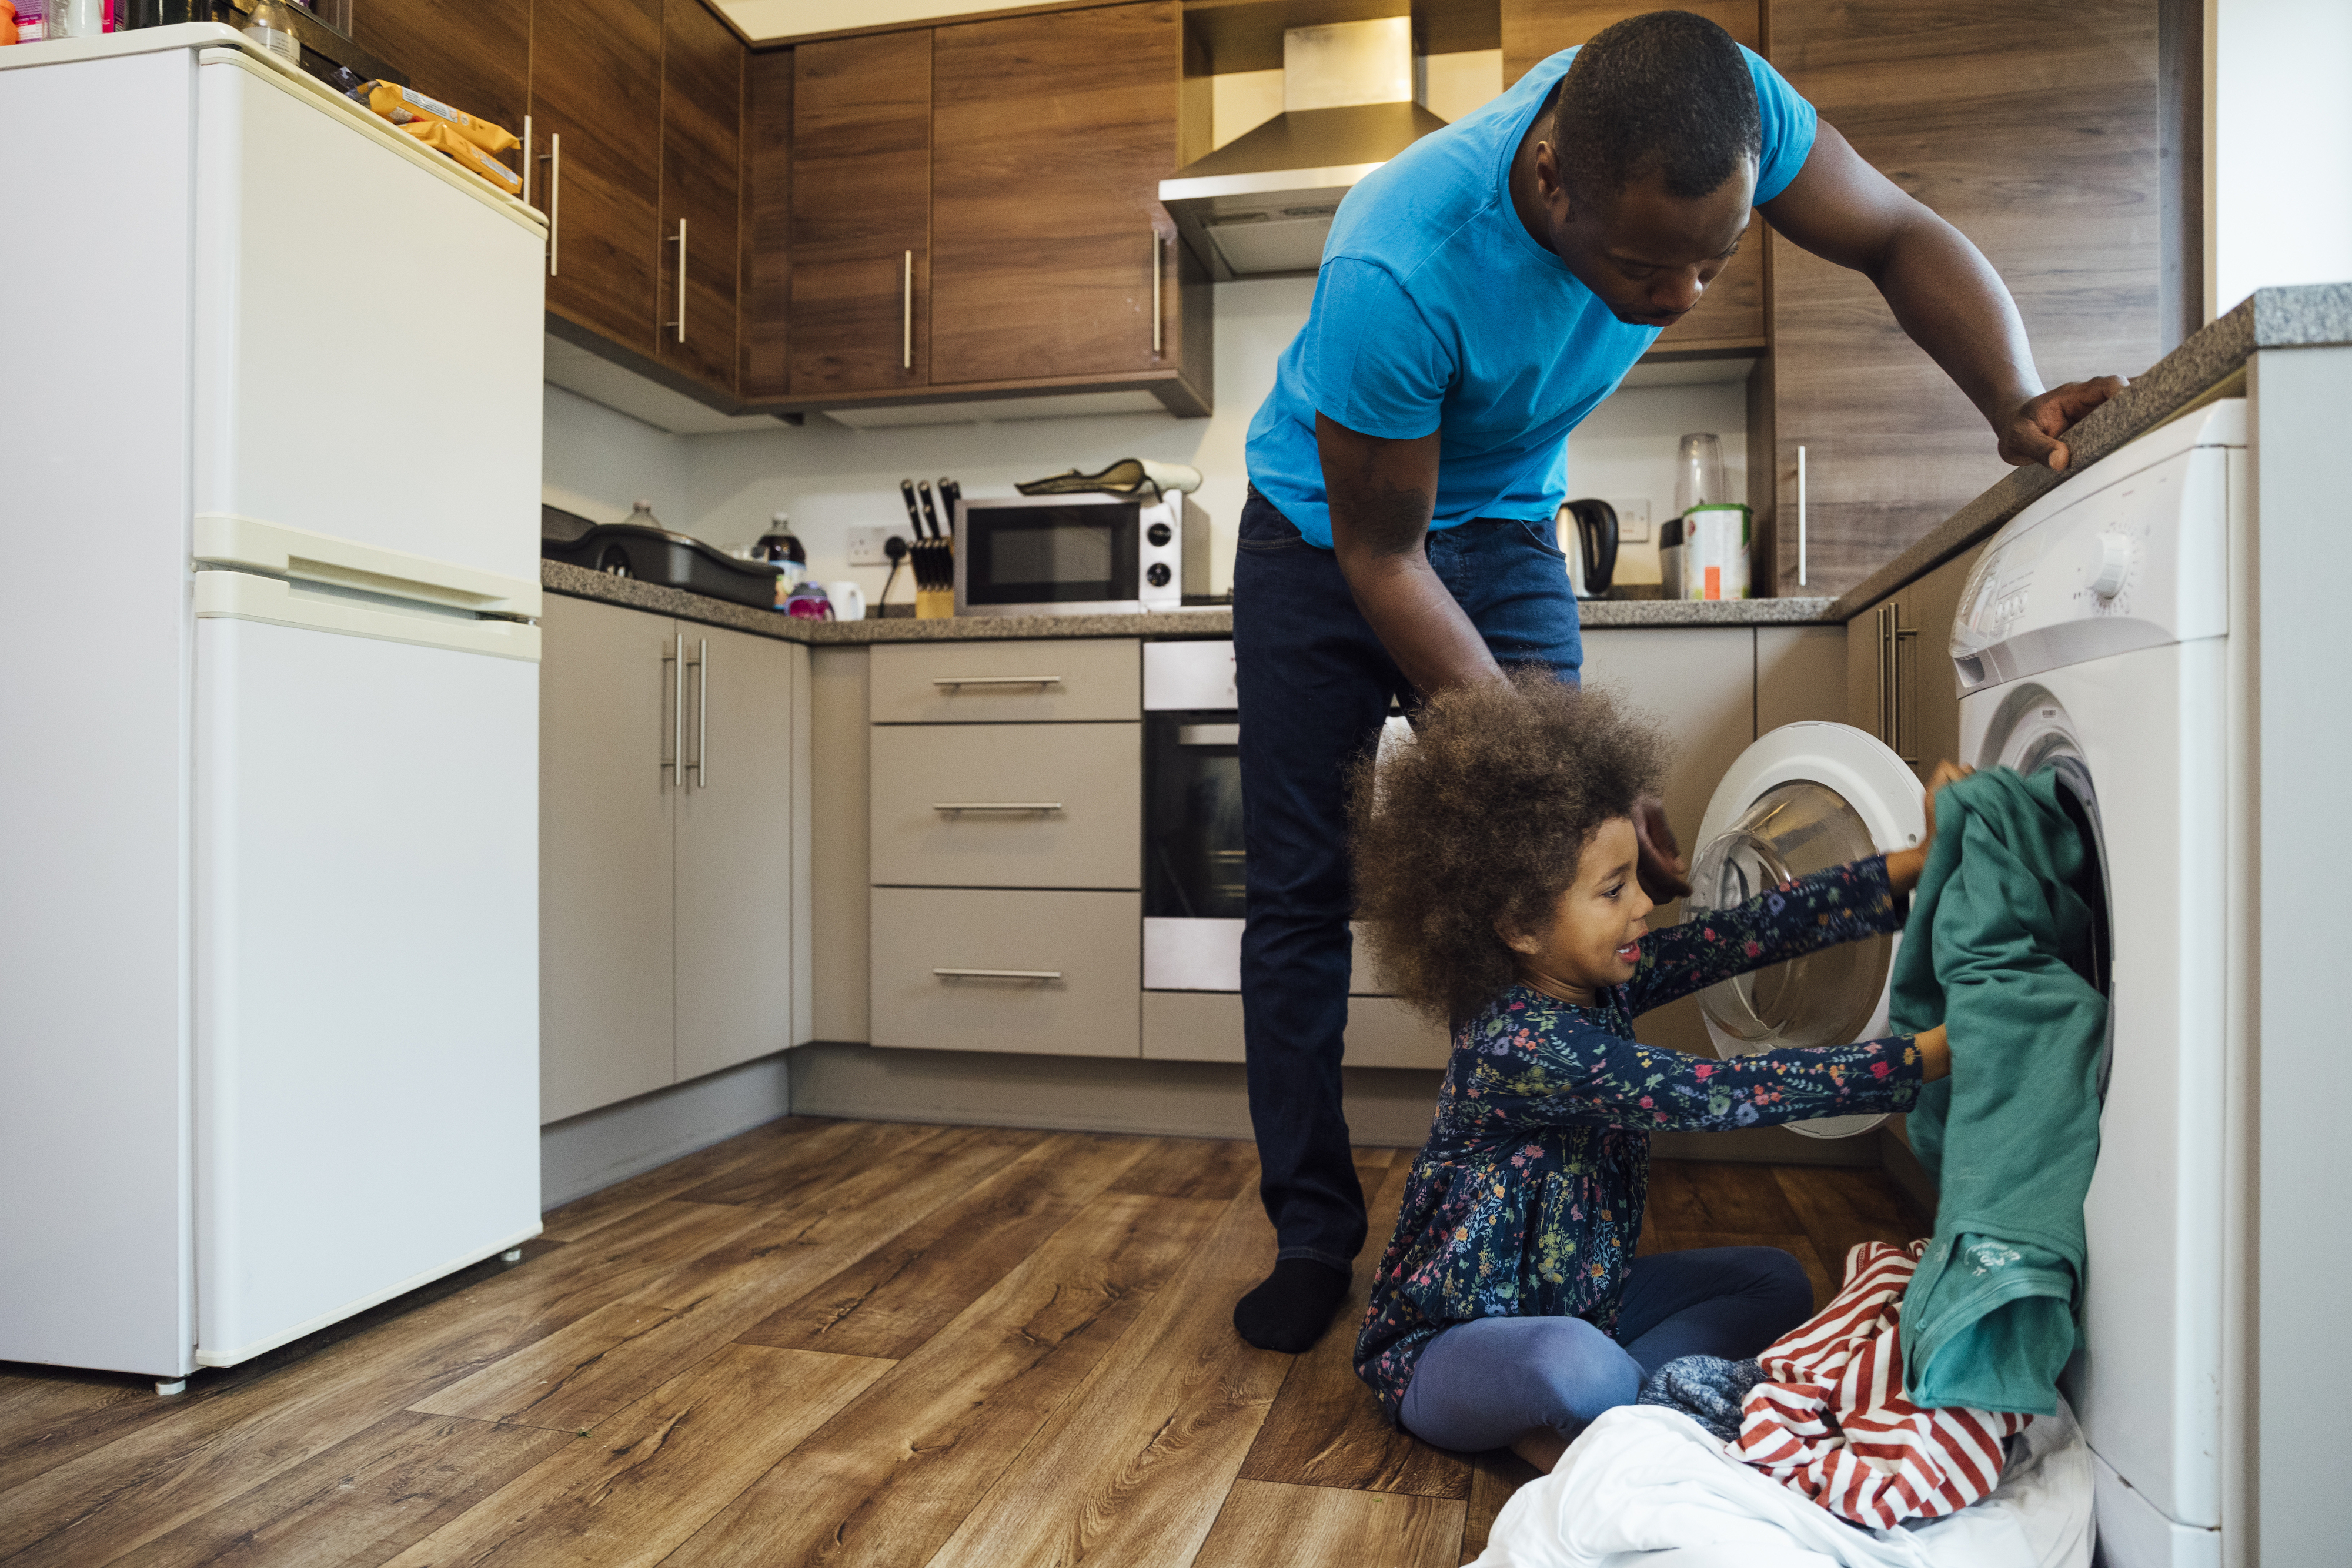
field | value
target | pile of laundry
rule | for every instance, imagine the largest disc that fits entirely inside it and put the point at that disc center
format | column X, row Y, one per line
column 1811, row 1454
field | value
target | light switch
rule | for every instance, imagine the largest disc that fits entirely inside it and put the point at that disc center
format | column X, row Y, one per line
column 1632, row 519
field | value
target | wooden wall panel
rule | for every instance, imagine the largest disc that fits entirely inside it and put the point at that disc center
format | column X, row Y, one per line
column 2035, row 132
column 1732, row 314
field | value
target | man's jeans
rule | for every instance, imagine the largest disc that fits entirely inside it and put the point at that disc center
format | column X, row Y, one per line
column 1315, row 687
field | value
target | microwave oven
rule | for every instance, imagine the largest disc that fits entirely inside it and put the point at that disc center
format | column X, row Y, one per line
column 1079, row 555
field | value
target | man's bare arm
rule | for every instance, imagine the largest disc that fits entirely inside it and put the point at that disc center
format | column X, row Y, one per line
column 1944, row 294
column 1382, row 493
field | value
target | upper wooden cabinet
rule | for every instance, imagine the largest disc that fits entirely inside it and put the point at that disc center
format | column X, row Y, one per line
column 861, row 178
column 1730, row 317
column 1053, row 256
column 596, row 130
column 2036, row 134
column 473, row 54
column 973, row 212
column 701, row 192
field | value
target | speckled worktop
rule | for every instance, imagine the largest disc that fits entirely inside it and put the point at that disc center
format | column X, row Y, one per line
column 1214, row 621
column 2307, row 316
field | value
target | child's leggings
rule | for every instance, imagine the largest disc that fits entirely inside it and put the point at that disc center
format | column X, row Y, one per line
column 1490, row 1382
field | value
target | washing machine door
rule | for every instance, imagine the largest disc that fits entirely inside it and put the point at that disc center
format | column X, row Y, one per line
column 1803, row 799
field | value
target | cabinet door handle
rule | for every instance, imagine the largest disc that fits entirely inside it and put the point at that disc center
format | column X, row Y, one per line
column 952, row 682
column 998, row 974
column 906, row 315
column 701, row 663
column 1801, row 517
column 527, row 160
column 1891, row 635
column 674, row 662
column 553, row 158
column 1158, row 326
column 950, row 807
column 679, row 240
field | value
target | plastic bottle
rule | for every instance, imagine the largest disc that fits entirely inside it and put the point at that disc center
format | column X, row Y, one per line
column 778, row 546
column 271, row 25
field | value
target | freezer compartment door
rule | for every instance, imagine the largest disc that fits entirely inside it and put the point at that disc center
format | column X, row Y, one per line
column 366, row 979
column 370, row 342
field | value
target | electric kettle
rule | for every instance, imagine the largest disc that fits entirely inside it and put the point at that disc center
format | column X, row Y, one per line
column 1587, row 532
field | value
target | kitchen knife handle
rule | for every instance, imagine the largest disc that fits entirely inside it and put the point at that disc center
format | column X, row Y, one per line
column 930, row 515
column 907, row 315
column 914, row 516
column 1157, row 327
column 952, row 681
column 952, row 807
column 998, row 974
column 701, row 713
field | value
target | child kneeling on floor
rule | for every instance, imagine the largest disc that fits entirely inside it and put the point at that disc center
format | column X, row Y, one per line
column 1495, row 863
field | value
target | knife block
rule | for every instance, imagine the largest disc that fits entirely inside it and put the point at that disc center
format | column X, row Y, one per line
column 934, row 604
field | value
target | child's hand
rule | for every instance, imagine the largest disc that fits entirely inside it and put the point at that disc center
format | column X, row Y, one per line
column 1904, row 866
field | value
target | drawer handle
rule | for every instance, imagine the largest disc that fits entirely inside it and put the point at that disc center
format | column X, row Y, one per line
column 951, row 806
column 998, row 974
column 951, row 681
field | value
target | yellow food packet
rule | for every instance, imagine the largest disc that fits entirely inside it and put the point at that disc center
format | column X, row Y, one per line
column 406, row 107
column 470, row 158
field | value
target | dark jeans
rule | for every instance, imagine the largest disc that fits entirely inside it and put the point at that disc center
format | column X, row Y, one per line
column 1316, row 686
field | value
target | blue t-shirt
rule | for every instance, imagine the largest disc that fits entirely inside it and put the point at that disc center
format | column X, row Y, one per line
column 1436, row 310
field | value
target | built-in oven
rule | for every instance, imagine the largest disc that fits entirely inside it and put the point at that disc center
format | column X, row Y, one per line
column 1192, row 880
column 1079, row 555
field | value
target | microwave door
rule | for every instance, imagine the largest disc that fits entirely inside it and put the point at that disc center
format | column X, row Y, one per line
column 1048, row 557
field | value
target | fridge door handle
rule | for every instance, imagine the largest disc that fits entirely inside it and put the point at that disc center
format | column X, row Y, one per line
column 225, row 539
column 223, row 595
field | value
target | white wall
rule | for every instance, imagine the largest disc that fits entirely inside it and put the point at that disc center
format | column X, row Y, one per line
column 724, row 488
column 2278, row 164
column 599, row 463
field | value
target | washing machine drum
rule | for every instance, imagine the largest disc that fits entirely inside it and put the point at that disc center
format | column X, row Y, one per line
column 1803, row 799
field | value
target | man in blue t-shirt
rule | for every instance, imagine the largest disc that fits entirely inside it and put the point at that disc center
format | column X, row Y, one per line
column 1480, row 294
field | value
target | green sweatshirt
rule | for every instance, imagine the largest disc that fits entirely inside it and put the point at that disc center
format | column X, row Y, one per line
column 1997, row 945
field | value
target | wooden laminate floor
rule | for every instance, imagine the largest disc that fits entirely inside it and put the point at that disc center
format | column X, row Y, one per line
column 835, row 1343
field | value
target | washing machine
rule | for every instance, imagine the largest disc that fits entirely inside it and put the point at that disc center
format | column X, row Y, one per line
column 2090, row 640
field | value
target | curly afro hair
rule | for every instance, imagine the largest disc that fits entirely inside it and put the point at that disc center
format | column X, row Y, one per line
column 1482, row 817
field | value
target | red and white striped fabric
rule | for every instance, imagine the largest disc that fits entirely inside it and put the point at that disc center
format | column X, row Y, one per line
column 1833, row 1425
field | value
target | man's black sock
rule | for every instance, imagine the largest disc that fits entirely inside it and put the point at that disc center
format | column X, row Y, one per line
column 1292, row 1308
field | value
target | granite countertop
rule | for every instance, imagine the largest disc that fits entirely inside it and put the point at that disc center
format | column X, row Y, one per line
column 2304, row 317
column 1216, row 620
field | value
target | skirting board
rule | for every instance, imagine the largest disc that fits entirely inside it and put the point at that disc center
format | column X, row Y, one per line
column 590, row 1152
column 1387, row 1107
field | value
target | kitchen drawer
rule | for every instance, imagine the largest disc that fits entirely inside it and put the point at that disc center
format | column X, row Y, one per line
column 1004, row 775
column 1074, row 962
column 1206, row 1026
column 994, row 683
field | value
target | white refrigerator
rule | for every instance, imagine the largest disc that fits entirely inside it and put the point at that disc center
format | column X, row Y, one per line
column 270, row 389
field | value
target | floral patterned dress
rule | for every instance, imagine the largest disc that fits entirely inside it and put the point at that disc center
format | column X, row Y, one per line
column 1527, row 1200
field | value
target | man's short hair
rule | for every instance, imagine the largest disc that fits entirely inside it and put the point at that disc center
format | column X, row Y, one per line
column 1667, row 94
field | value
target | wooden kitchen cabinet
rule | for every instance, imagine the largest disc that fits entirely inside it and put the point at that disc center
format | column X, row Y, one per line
column 861, row 198
column 2036, row 133
column 1899, row 680
column 675, row 919
column 473, row 54
column 596, row 126
column 701, row 192
column 1052, row 256
column 1730, row 317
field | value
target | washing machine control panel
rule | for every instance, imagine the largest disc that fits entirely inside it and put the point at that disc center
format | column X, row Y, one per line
column 2132, row 555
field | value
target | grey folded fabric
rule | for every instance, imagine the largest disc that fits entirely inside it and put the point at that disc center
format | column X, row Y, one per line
column 1707, row 1389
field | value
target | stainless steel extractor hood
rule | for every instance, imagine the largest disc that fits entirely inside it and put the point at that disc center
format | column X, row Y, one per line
column 1262, row 205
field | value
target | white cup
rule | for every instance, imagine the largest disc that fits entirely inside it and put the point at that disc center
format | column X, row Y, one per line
column 848, row 601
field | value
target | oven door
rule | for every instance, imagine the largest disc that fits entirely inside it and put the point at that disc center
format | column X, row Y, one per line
column 1047, row 555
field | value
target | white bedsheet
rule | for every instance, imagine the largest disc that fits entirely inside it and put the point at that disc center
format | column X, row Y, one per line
column 1645, row 1486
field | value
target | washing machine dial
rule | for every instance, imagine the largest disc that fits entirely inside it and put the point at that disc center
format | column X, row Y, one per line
column 2110, row 566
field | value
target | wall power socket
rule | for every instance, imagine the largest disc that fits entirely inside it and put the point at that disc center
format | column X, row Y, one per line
column 1632, row 519
column 867, row 547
